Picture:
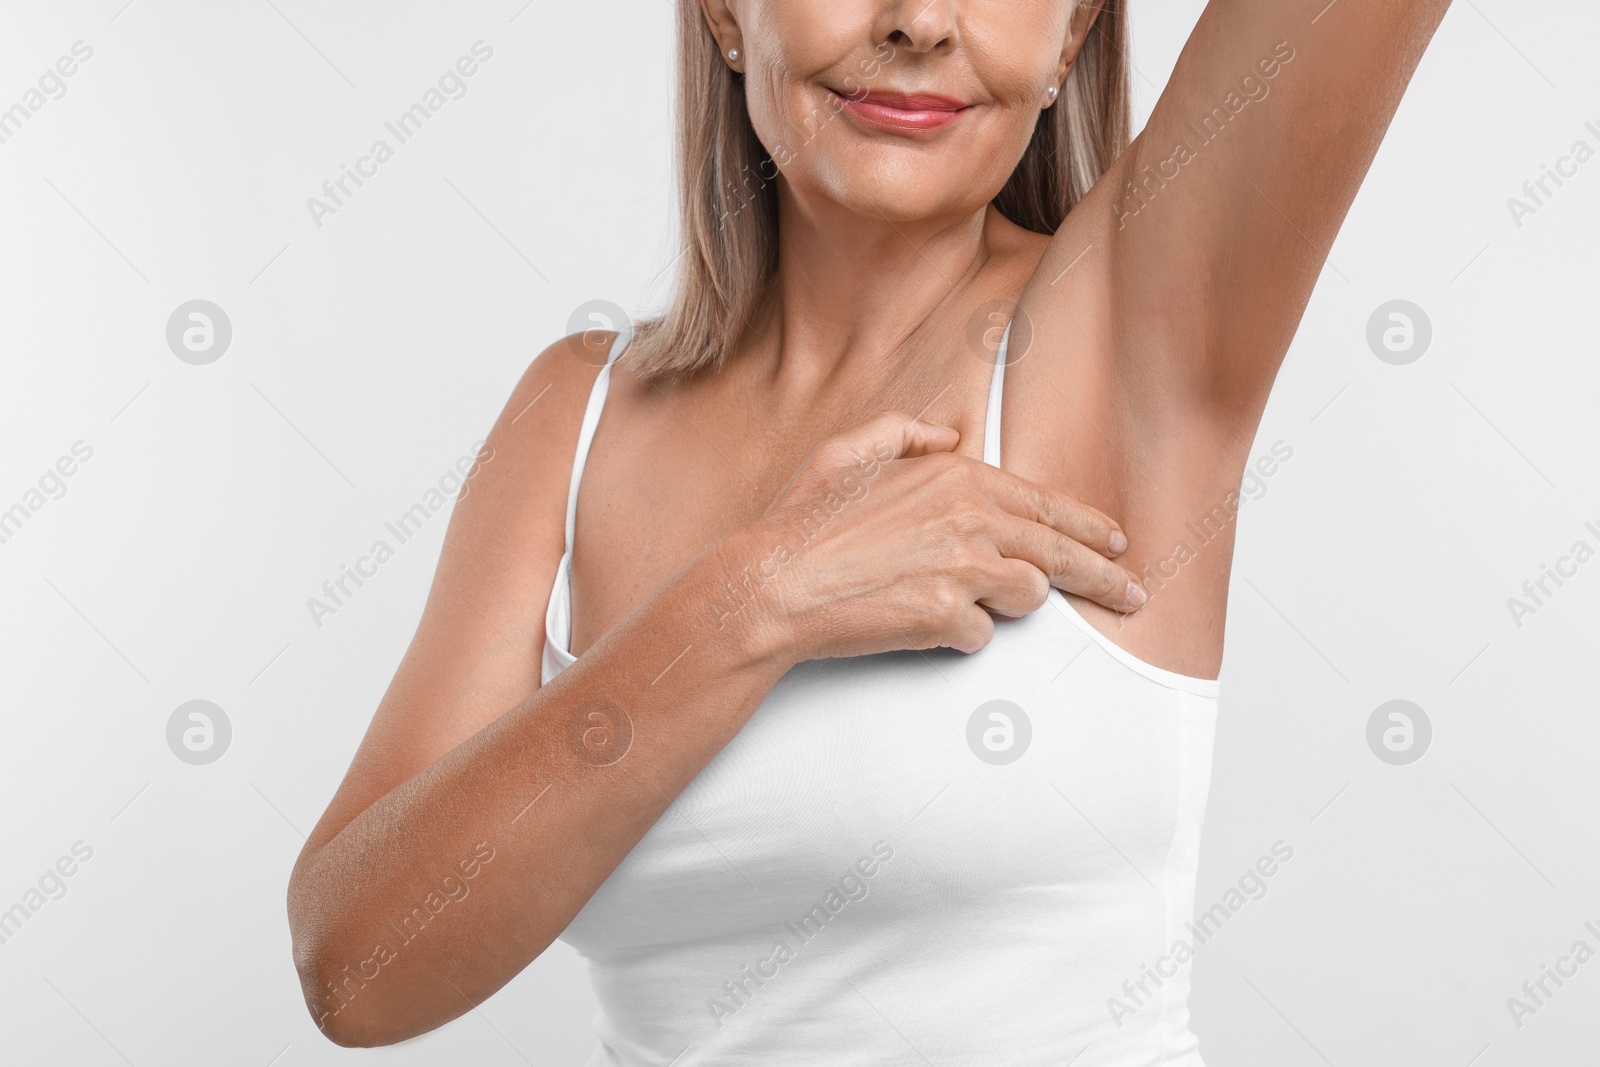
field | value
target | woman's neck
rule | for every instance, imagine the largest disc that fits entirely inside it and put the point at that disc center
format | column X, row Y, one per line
column 850, row 286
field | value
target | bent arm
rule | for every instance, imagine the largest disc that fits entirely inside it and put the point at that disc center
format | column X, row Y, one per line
column 476, row 819
column 440, row 892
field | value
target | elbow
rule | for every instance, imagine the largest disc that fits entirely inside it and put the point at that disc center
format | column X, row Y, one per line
column 358, row 989
column 362, row 998
column 345, row 1002
column 343, row 1031
column 355, row 1005
column 347, row 1009
column 349, row 1036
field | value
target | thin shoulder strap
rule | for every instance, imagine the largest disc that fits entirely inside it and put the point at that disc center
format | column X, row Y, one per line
column 997, row 387
column 591, row 419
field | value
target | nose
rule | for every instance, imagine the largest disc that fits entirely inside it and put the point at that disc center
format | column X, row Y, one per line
column 920, row 25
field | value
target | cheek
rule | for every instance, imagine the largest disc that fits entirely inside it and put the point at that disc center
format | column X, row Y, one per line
column 792, row 45
column 775, row 100
column 1016, row 58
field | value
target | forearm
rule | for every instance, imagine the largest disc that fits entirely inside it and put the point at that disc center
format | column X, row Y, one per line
column 1215, row 224
column 1275, row 108
column 554, row 796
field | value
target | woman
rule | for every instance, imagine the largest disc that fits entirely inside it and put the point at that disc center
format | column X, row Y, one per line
column 934, row 735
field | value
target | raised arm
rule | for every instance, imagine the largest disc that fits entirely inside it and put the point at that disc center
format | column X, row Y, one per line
column 1218, row 219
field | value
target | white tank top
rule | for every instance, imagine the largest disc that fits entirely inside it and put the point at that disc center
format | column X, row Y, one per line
column 885, row 866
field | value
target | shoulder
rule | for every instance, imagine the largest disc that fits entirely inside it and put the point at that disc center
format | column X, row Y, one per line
column 519, row 484
column 550, row 396
column 507, row 531
column 564, row 371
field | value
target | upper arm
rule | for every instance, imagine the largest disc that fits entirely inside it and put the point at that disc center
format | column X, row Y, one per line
column 1217, row 220
column 478, row 646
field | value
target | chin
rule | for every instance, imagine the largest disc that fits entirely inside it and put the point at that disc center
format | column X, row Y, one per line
column 894, row 184
column 872, row 175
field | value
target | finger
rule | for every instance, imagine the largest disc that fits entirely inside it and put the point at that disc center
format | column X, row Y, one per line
column 1016, row 588
column 1068, row 564
column 974, row 631
column 893, row 435
column 1060, row 512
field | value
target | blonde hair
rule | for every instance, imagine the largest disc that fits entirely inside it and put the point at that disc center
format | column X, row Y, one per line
column 727, row 197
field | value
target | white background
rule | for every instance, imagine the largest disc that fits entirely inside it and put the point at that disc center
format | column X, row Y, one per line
column 371, row 352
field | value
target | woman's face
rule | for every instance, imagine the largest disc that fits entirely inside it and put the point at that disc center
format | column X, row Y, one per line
column 909, row 110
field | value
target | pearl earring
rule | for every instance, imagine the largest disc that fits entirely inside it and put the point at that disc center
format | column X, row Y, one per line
column 1050, row 91
column 733, row 55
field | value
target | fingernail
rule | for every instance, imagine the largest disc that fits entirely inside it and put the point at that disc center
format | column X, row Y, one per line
column 1136, row 595
column 1119, row 542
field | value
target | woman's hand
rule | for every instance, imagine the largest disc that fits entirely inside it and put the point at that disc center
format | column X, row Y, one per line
column 885, row 539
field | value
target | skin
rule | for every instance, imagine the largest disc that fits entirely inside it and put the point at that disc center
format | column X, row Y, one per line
column 1156, row 339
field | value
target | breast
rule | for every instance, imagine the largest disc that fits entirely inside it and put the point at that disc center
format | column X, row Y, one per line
column 1021, row 822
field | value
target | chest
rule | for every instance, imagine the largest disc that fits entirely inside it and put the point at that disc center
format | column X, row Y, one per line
column 667, row 477
column 1038, row 774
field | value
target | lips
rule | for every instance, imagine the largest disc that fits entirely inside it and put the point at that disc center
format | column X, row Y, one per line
column 906, row 112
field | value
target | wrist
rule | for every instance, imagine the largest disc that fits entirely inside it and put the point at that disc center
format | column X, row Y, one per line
column 736, row 583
